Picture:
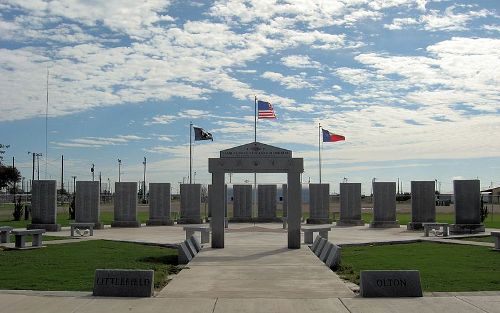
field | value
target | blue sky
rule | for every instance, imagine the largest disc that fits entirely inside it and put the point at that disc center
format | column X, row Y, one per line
column 412, row 85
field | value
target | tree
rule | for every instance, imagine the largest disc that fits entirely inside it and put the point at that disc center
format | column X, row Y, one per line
column 8, row 175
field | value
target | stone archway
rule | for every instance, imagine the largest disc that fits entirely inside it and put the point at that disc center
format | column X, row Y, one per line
column 256, row 157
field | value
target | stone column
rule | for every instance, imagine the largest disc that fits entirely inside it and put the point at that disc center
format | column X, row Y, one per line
column 87, row 203
column 285, row 199
column 294, row 209
column 319, row 204
column 210, row 198
column 125, row 207
column 267, row 203
column 242, row 203
column 350, row 205
column 384, row 205
column 190, row 204
column 423, row 204
column 44, row 206
column 467, row 207
column 217, row 221
column 159, row 204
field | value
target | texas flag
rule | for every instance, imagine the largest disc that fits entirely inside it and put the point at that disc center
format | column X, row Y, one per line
column 330, row 137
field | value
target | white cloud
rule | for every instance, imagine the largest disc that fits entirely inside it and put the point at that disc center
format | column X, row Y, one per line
column 98, row 142
column 290, row 82
column 300, row 61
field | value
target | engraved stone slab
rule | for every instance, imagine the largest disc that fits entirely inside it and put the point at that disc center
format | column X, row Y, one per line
column 184, row 255
column 43, row 206
column 123, row 283
column 321, row 246
column 191, row 247
column 316, row 243
column 159, row 204
column 267, row 203
column 423, row 204
column 195, row 243
column 326, row 251
column 333, row 259
column 190, row 204
column 125, row 206
column 350, row 205
column 87, row 204
column 384, row 205
column 319, row 204
column 467, row 207
column 256, row 150
column 390, row 284
column 242, row 203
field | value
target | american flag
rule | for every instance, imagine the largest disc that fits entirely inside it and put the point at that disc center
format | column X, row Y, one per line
column 265, row 110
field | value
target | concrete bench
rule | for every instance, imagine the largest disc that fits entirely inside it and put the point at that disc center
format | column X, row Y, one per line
column 204, row 230
column 89, row 226
column 429, row 226
column 4, row 233
column 309, row 230
column 20, row 235
column 496, row 235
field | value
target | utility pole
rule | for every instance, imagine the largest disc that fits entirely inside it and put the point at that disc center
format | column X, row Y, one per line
column 62, row 174
column 92, row 171
column 38, row 155
column 22, row 183
column 100, row 182
column 74, row 184
column 144, row 182
column 119, row 170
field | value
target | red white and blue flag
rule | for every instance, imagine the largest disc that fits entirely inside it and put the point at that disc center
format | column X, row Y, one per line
column 265, row 110
column 331, row 137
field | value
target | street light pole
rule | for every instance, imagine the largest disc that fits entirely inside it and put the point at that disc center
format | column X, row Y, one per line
column 74, row 184
column 144, row 181
column 119, row 170
column 92, row 171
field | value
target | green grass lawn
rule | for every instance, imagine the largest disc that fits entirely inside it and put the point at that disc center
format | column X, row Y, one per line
column 443, row 267
column 71, row 266
column 480, row 239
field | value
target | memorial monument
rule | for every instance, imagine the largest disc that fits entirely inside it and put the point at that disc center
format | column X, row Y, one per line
column 44, row 206
column 257, row 157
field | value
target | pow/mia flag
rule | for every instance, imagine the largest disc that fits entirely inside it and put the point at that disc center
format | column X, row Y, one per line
column 201, row 134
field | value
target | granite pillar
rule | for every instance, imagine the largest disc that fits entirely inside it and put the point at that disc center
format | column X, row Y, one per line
column 218, row 217
column 211, row 202
column 423, row 204
column 125, row 206
column 319, row 204
column 44, row 206
column 294, row 209
column 267, row 203
column 285, row 199
column 242, row 203
column 467, row 207
column 159, row 204
column 87, row 203
column 384, row 205
column 350, row 205
column 191, row 204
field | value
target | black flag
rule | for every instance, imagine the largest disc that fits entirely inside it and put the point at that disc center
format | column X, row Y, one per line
column 201, row 134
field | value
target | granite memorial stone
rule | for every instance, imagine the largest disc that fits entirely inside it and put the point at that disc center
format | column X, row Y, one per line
column 334, row 257
column 123, row 283
column 423, row 204
column 384, row 205
column 87, row 203
column 326, row 251
column 159, row 204
column 390, row 284
column 190, row 204
column 242, row 203
column 350, row 205
column 125, row 206
column 320, row 247
column 267, row 203
column 319, row 204
column 44, row 206
column 183, row 254
column 284, row 190
column 467, row 207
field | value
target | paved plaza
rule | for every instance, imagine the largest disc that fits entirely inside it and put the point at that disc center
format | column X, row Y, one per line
column 255, row 272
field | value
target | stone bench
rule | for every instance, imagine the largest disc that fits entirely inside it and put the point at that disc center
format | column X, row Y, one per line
column 4, row 234
column 309, row 230
column 496, row 235
column 21, row 235
column 204, row 230
column 429, row 226
column 89, row 226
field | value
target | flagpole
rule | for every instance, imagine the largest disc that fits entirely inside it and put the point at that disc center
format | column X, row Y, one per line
column 190, row 152
column 319, row 150
column 255, row 174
